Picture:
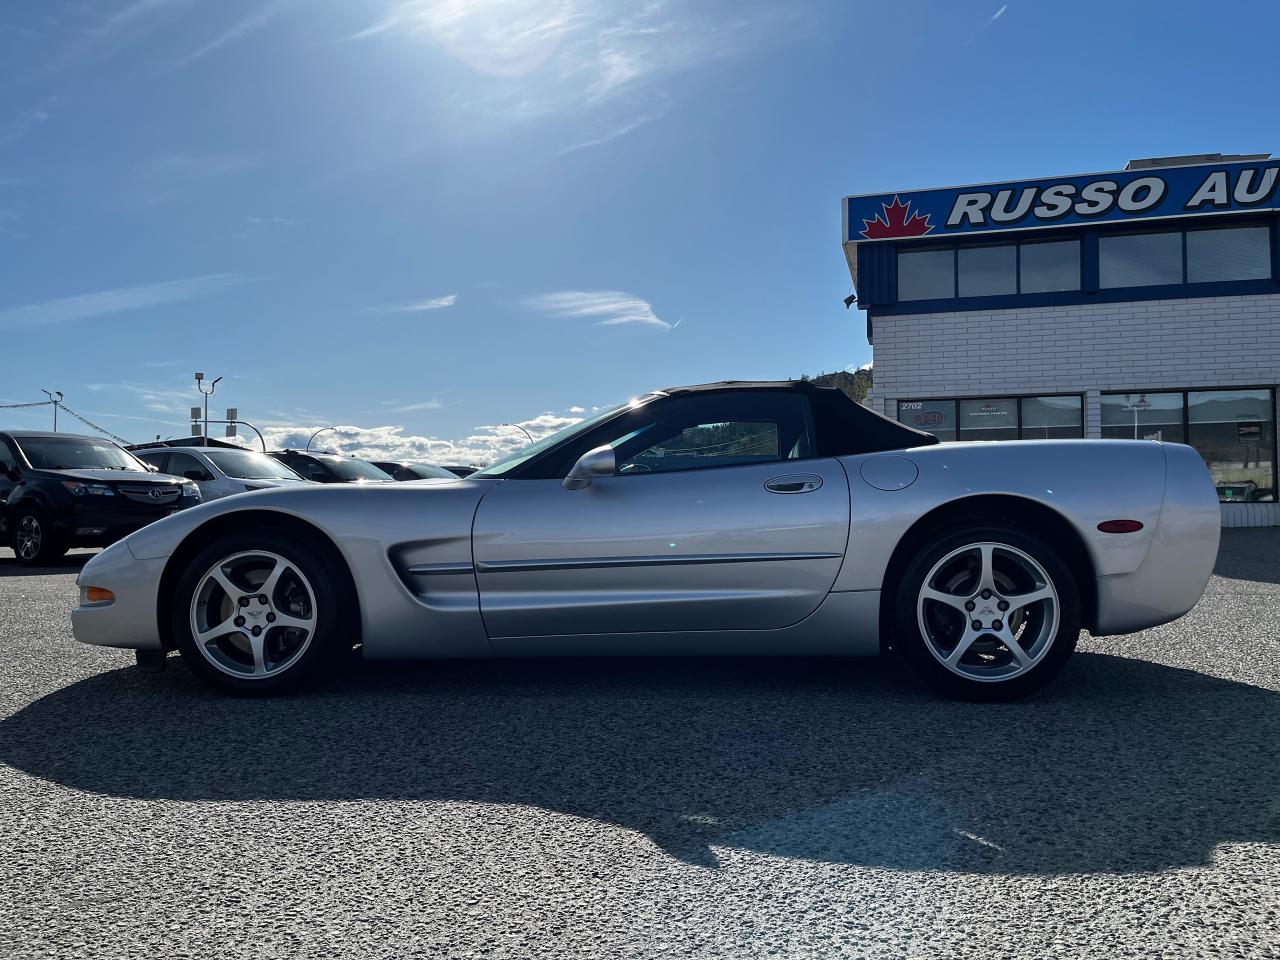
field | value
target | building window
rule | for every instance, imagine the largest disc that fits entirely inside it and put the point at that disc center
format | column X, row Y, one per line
column 1142, row 416
column 994, row 419
column 1139, row 259
column 1234, row 430
column 932, row 416
column 987, row 271
column 1052, row 418
column 1231, row 253
column 927, row 274
column 997, row 418
column 1049, row 267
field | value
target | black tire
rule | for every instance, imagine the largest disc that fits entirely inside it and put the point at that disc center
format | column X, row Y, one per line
column 909, row 640
column 25, row 521
column 336, row 620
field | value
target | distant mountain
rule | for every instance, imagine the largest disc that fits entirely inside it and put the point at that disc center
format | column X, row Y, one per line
column 856, row 385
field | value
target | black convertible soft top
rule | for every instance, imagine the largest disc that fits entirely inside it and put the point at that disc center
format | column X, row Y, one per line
column 843, row 426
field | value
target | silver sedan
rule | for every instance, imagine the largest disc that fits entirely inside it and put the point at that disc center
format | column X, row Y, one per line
column 734, row 518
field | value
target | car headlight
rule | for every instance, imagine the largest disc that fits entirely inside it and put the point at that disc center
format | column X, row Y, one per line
column 189, row 489
column 79, row 489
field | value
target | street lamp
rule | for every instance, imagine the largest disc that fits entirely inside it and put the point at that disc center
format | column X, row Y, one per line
column 55, row 401
column 521, row 429
column 316, row 434
column 207, row 394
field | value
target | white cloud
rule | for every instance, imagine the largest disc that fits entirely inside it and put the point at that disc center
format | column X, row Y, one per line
column 255, row 21
column 104, row 302
column 610, row 308
column 997, row 15
column 171, row 402
column 484, row 445
column 418, row 306
column 19, row 125
column 432, row 404
column 613, row 134
column 545, row 57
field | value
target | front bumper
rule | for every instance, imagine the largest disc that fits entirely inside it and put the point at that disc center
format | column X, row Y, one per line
column 99, row 524
column 130, row 620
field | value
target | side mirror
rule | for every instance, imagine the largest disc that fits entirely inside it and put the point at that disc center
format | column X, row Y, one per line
column 599, row 462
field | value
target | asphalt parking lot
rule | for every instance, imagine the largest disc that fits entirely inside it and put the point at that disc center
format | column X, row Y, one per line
column 647, row 809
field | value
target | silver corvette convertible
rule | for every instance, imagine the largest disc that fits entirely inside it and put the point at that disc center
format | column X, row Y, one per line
column 730, row 518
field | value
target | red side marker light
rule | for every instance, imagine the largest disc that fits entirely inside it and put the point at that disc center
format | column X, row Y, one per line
column 1120, row 526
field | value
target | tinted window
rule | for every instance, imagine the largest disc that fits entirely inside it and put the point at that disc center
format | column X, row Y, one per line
column 182, row 464
column 159, row 460
column 7, row 461
column 709, row 430
column 1234, row 430
column 81, row 453
column 1142, row 416
column 995, row 419
column 1140, row 259
column 1048, row 267
column 1051, row 418
column 988, row 271
column 247, row 465
column 426, row 471
column 926, row 274
column 1233, row 253
column 347, row 469
column 933, row 416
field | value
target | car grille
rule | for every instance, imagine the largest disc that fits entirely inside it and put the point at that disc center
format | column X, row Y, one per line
column 152, row 494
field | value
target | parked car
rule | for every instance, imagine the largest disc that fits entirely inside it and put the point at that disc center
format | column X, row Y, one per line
column 331, row 468
column 730, row 518
column 403, row 470
column 59, row 490
column 221, row 471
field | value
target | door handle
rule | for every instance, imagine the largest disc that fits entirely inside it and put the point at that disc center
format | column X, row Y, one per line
column 794, row 483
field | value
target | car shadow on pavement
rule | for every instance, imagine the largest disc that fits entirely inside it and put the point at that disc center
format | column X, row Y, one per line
column 1250, row 553
column 1121, row 765
column 10, row 567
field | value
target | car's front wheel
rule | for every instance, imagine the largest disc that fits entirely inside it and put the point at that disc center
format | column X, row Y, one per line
column 261, row 613
column 33, row 539
column 987, row 612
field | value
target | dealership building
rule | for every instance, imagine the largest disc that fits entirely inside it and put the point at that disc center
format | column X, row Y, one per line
column 1142, row 303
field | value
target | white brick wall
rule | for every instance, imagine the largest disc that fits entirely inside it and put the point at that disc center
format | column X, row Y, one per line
column 1082, row 348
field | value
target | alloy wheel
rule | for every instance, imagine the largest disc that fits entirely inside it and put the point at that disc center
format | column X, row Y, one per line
column 988, row 611
column 253, row 615
column 30, row 537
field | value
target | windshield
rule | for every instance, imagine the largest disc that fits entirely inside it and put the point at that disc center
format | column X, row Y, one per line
column 512, row 460
column 76, row 453
column 354, row 469
column 247, row 465
column 426, row 471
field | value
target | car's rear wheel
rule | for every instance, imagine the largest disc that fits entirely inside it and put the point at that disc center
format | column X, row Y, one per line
column 32, row 538
column 258, row 613
column 987, row 612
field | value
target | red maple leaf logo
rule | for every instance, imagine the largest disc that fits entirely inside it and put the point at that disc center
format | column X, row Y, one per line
column 894, row 222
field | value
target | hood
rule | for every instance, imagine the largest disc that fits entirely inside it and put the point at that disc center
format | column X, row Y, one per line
column 119, row 476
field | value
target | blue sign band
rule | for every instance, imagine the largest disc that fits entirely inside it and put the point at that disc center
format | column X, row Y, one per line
column 1065, row 201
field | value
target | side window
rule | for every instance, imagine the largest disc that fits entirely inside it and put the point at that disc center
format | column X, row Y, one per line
column 185, row 465
column 158, row 460
column 7, row 460
column 699, row 431
column 311, row 469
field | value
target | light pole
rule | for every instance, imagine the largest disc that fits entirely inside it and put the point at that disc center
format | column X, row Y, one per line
column 55, row 401
column 207, row 394
column 521, row 429
column 316, row 434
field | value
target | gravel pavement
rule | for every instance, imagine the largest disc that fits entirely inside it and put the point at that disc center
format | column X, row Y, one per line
column 668, row 808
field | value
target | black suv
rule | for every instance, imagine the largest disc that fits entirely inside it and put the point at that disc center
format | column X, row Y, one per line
column 330, row 468
column 59, row 490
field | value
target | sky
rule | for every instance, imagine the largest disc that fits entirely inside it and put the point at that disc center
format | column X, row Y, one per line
column 420, row 220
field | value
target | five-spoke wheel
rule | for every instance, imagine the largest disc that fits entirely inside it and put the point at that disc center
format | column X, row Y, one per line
column 256, row 612
column 988, row 612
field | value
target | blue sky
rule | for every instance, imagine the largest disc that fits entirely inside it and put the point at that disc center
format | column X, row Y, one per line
column 422, row 219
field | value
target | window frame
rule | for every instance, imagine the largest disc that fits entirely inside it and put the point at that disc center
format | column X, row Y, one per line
column 883, row 299
column 1185, row 393
column 1017, row 398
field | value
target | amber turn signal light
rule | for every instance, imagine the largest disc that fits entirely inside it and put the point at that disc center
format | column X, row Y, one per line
column 1120, row 526
column 98, row 595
